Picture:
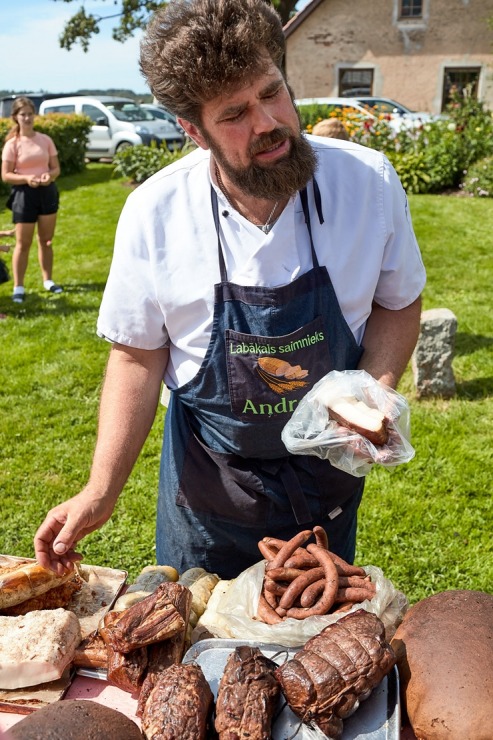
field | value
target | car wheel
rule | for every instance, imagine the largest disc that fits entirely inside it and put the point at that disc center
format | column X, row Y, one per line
column 123, row 145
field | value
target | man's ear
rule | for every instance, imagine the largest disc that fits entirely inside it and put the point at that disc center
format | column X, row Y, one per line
column 193, row 132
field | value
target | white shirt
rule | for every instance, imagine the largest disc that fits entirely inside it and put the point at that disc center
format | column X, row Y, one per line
column 160, row 290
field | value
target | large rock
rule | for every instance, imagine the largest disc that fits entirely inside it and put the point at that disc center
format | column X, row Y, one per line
column 434, row 352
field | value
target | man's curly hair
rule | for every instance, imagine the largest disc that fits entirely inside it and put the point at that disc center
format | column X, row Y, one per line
column 195, row 49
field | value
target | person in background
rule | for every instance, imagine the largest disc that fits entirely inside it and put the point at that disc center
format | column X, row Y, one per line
column 5, row 248
column 242, row 274
column 30, row 165
column 332, row 127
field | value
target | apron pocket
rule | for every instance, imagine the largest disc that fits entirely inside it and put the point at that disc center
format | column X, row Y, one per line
column 268, row 376
column 221, row 484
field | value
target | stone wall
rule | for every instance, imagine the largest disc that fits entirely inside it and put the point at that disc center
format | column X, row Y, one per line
column 408, row 57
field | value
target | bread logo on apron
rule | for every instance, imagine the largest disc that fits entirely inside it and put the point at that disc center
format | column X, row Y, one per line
column 280, row 375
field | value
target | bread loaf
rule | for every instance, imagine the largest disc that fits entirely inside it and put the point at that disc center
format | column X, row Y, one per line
column 75, row 719
column 25, row 581
column 444, row 649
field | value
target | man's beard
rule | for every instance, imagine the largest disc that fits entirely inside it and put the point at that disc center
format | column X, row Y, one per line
column 274, row 181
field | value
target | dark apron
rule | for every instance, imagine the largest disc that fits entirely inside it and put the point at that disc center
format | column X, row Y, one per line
column 226, row 478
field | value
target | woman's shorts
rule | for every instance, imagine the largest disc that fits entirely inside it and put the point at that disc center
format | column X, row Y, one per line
column 27, row 203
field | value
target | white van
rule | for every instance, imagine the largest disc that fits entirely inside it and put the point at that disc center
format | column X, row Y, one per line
column 117, row 123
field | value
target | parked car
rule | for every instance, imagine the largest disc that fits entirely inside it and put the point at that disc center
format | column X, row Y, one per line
column 365, row 110
column 346, row 104
column 37, row 99
column 393, row 108
column 117, row 123
column 162, row 113
column 159, row 111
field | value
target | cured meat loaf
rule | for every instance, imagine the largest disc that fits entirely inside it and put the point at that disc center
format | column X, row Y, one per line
column 163, row 654
column 179, row 706
column 151, row 620
column 247, row 696
column 337, row 668
column 360, row 418
column 36, row 647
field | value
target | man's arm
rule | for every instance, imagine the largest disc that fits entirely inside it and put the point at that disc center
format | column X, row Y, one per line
column 389, row 341
column 128, row 406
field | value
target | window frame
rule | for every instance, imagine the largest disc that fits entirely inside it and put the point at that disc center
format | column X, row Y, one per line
column 459, row 70
column 356, row 71
column 407, row 8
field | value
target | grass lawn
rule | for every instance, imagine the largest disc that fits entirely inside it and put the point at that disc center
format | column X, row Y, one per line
column 427, row 524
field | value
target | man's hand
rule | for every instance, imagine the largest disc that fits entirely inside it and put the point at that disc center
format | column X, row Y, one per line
column 45, row 178
column 127, row 409
column 64, row 527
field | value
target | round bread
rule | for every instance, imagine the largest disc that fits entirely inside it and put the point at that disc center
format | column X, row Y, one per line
column 444, row 649
column 75, row 720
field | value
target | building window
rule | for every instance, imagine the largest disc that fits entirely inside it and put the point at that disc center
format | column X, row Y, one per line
column 411, row 8
column 461, row 79
column 355, row 82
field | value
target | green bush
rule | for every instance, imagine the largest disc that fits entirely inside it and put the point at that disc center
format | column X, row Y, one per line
column 69, row 132
column 139, row 162
column 412, row 170
column 430, row 158
column 478, row 179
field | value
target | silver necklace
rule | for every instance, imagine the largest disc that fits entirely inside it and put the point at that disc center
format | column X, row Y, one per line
column 268, row 224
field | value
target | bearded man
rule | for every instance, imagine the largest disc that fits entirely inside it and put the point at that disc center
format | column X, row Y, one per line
column 261, row 247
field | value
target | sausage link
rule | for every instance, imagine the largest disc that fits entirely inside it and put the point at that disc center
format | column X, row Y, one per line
column 267, row 552
column 301, row 559
column 288, row 549
column 321, row 537
column 270, row 598
column 266, row 613
column 354, row 595
column 327, row 599
column 299, row 584
column 312, row 592
column 356, row 582
column 285, row 574
column 273, row 542
column 346, row 606
column 346, row 569
column 273, row 587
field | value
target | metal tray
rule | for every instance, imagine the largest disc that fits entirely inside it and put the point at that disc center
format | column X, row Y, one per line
column 377, row 718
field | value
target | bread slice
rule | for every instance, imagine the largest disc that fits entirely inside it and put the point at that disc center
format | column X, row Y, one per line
column 37, row 647
column 357, row 416
column 25, row 581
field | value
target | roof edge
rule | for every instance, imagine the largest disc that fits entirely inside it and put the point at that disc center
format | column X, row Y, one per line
column 297, row 19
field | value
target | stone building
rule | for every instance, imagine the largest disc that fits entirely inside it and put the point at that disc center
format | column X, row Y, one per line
column 413, row 51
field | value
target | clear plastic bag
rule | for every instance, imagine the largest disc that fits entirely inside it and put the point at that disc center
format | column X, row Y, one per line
column 232, row 608
column 310, row 431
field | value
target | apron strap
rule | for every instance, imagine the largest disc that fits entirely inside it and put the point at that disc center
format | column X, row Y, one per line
column 318, row 201
column 306, row 212
column 292, row 486
column 215, row 213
